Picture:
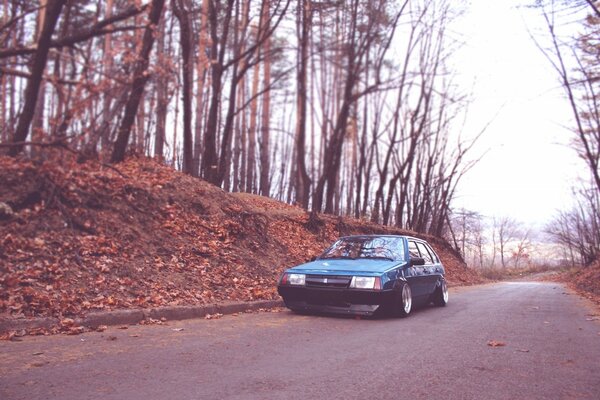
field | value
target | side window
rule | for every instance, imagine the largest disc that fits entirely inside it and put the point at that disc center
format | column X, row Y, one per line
column 412, row 249
column 425, row 253
column 436, row 259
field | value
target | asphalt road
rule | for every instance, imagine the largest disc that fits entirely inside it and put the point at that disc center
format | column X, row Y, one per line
column 551, row 351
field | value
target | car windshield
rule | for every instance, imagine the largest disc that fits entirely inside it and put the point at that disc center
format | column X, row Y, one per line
column 374, row 247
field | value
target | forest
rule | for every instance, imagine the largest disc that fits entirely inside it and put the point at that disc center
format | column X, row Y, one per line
column 341, row 107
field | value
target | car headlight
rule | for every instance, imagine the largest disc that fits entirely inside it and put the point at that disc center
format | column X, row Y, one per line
column 295, row 279
column 365, row 282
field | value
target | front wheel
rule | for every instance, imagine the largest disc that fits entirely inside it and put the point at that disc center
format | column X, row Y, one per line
column 403, row 303
column 440, row 296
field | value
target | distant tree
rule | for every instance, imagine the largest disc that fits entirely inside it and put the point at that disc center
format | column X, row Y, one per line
column 577, row 230
column 466, row 227
column 522, row 248
column 508, row 230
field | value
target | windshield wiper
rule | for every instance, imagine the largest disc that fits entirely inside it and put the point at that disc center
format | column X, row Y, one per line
column 379, row 258
column 337, row 258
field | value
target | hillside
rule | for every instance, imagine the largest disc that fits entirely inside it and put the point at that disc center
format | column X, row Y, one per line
column 585, row 280
column 81, row 237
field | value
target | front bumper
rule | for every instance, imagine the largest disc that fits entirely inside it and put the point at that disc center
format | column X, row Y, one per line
column 335, row 300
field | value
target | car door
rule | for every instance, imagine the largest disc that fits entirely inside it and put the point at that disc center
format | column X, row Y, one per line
column 416, row 273
column 430, row 273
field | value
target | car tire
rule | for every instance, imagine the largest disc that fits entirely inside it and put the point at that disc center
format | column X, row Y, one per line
column 403, row 301
column 440, row 296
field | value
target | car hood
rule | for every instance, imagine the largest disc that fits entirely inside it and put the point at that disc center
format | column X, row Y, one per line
column 346, row 267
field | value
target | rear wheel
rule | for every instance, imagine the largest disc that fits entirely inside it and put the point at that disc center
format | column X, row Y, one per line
column 440, row 296
column 403, row 301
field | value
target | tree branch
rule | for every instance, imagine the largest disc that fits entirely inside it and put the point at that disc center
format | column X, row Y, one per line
column 98, row 29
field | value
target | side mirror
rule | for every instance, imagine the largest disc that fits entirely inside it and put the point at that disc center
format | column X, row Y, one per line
column 313, row 258
column 416, row 261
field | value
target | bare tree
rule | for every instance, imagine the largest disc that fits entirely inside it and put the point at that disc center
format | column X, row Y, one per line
column 363, row 32
column 38, row 64
column 522, row 248
column 577, row 230
column 581, row 84
column 140, row 77
column 577, row 64
column 215, row 166
column 508, row 230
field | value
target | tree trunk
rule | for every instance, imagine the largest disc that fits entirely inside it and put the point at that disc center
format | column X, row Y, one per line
column 265, row 170
column 225, row 155
column 302, row 180
column 201, row 72
column 37, row 124
column 38, row 65
column 139, row 82
column 182, row 14
column 210, row 159
column 251, row 163
column 107, row 67
column 239, row 156
column 162, row 100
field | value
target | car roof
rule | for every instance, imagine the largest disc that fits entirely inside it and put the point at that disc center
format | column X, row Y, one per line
column 384, row 235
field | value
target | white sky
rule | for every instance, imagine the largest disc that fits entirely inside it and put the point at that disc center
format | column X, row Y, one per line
column 529, row 168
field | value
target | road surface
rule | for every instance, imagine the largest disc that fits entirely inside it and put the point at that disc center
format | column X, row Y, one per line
column 551, row 350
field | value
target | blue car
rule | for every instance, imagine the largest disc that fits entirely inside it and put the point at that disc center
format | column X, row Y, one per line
column 367, row 274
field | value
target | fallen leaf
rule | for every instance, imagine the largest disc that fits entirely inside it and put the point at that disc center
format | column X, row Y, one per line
column 76, row 330
column 111, row 338
column 523, row 350
column 67, row 322
column 177, row 329
column 496, row 343
column 38, row 353
column 40, row 363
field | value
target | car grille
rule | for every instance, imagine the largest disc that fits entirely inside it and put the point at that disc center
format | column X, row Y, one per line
column 328, row 281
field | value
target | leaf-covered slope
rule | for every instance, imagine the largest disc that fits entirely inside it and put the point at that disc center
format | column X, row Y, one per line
column 80, row 237
column 586, row 280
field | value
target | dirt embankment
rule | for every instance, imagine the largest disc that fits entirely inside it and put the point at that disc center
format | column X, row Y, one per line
column 83, row 237
column 585, row 280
